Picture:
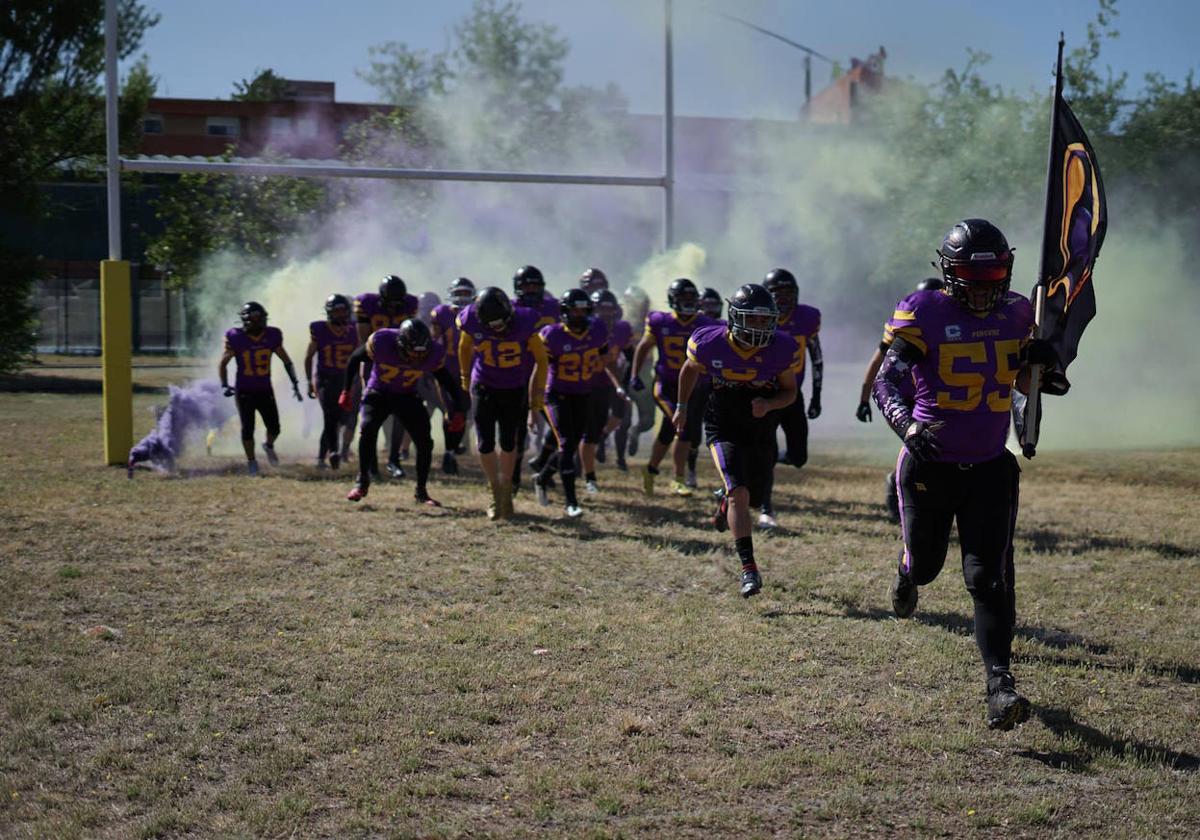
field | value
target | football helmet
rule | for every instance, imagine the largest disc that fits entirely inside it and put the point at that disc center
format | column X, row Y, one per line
column 753, row 315
column 337, row 309
column 575, row 309
column 392, row 291
column 930, row 284
column 254, row 317
column 711, row 303
column 783, row 287
column 976, row 264
column 606, row 305
column 683, row 298
column 528, row 285
column 593, row 280
column 461, row 292
column 414, row 340
column 494, row 309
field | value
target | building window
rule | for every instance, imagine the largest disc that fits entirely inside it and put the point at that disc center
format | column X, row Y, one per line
column 281, row 126
column 152, row 124
column 223, row 126
column 306, row 126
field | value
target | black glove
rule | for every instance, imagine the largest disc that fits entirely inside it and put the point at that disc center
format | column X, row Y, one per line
column 229, row 392
column 921, row 442
column 296, row 392
column 1039, row 351
column 637, row 384
column 864, row 412
column 814, row 406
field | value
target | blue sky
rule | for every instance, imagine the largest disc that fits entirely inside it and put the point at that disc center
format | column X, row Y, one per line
column 201, row 49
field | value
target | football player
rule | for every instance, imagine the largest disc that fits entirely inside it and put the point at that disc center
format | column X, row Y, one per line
column 445, row 328
column 252, row 345
column 577, row 352
column 502, row 362
column 610, row 403
column 593, row 280
column 391, row 307
column 529, row 291
column 331, row 341
column 964, row 347
column 752, row 368
column 712, row 305
column 803, row 323
column 398, row 359
column 669, row 332
column 636, row 305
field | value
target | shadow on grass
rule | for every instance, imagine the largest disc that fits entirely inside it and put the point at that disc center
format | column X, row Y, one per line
column 1047, row 541
column 22, row 383
column 1063, row 724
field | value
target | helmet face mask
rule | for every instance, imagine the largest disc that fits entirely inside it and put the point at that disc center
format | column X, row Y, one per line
column 711, row 303
column 254, row 317
column 337, row 309
column 392, row 291
column 494, row 309
column 976, row 264
column 606, row 306
column 414, row 341
column 529, row 285
column 461, row 293
column 753, row 316
column 683, row 298
column 593, row 280
column 575, row 309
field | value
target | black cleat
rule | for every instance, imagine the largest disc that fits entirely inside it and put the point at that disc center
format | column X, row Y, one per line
column 395, row 470
column 1005, row 707
column 751, row 582
column 904, row 595
column 272, row 458
column 335, row 461
column 449, row 464
column 891, row 498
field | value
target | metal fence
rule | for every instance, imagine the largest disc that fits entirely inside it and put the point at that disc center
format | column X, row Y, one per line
column 68, row 308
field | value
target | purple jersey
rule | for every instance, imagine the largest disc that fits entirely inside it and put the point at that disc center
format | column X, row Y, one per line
column 253, row 357
column 731, row 367
column 393, row 374
column 445, row 327
column 501, row 360
column 369, row 309
column 670, row 334
column 334, row 345
column 621, row 336
column 576, row 360
column 970, row 363
column 802, row 323
column 548, row 312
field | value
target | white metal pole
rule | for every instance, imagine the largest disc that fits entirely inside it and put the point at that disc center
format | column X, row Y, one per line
column 668, row 136
column 110, row 129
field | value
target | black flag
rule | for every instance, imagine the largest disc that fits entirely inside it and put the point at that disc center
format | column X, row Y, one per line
column 1075, row 223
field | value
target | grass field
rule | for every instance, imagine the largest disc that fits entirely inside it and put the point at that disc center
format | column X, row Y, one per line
column 288, row 664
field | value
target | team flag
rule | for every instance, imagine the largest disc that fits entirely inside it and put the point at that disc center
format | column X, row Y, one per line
column 1075, row 223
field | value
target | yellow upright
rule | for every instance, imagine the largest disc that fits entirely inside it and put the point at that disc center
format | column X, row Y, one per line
column 116, row 348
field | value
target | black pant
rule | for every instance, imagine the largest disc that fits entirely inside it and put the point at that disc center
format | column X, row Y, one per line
column 329, row 388
column 503, row 407
column 982, row 498
column 248, row 402
column 409, row 411
column 794, row 421
column 569, row 415
column 742, row 445
column 599, row 404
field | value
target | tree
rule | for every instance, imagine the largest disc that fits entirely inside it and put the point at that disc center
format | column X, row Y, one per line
column 51, row 120
column 266, row 86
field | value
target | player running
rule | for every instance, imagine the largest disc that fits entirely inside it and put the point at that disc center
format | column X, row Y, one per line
column 529, row 292
column 593, row 280
column 610, row 402
column 669, row 333
column 964, row 347
column 751, row 366
column 398, row 359
column 502, row 362
column 803, row 323
column 390, row 307
column 252, row 345
column 445, row 329
column 331, row 342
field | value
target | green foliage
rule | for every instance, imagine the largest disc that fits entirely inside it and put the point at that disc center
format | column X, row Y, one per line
column 1160, row 146
column 266, row 86
column 404, row 76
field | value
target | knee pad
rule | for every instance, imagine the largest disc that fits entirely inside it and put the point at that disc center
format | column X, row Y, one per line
column 983, row 583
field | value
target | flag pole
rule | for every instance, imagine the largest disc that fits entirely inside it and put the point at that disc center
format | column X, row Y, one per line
column 1034, row 403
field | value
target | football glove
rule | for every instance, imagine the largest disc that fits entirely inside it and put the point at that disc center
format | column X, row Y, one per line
column 814, row 406
column 1039, row 351
column 227, row 391
column 637, row 384
column 864, row 412
column 921, row 442
column 344, row 401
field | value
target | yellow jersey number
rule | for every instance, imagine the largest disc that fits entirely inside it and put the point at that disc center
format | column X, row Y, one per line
column 337, row 355
column 1000, row 368
column 390, row 372
column 573, row 367
column 502, row 354
column 257, row 362
column 674, row 350
column 379, row 322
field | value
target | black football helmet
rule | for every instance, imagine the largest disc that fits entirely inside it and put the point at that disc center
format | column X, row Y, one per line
column 461, row 292
column 337, row 309
column 753, row 315
column 606, row 305
column 683, row 298
column 414, row 340
column 976, row 264
column 593, row 280
column 782, row 285
column 392, row 291
column 575, row 309
column 494, row 309
column 529, row 285
column 254, row 317
column 711, row 303
column 930, row 284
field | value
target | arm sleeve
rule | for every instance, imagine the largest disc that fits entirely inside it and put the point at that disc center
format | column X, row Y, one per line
column 466, row 352
column 888, row 388
column 538, row 348
column 450, row 385
column 818, row 362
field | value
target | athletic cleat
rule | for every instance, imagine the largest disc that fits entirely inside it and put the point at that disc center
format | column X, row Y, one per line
column 335, row 461
column 622, row 466
column 1005, row 707
column 541, row 491
column 633, row 445
column 720, row 519
column 252, row 467
column 751, row 582
column 321, row 465
column 690, row 481
column 395, row 470
column 272, row 458
column 209, row 440
column 357, row 493
column 574, row 511
column 422, row 496
column 591, row 487
column 648, row 481
column 904, row 595
column 891, row 498
column 767, row 522
column 449, row 464
column 680, row 489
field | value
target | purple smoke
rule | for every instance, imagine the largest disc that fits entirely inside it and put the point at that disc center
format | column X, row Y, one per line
column 193, row 408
